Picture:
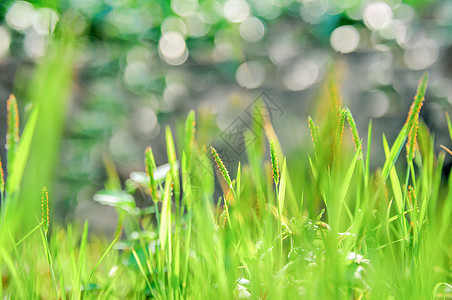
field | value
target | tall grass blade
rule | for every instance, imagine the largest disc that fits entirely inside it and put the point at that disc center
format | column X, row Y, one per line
column 103, row 256
column 190, row 130
column 165, row 222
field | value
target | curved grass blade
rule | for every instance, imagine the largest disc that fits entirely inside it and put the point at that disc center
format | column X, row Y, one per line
column 103, row 256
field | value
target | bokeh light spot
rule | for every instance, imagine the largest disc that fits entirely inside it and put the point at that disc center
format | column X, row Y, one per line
column 284, row 48
column 304, row 74
column 20, row 15
column 250, row 75
column 313, row 11
column 5, row 40
column 45, row 20
column 136, row 73
column 377, row 15
column 252, row 29
column 184, row 8
column 345, row 39
column 396, row 29
column 35, row 45
column 236, row 11
column 422, row 54
column 377, row 104
column 197, row 25
column 173, row 24
column 172, row 48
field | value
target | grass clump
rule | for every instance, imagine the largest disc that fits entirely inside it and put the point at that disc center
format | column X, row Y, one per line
column 320, row 227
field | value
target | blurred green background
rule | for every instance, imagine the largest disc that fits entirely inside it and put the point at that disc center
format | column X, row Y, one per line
column 138, row 66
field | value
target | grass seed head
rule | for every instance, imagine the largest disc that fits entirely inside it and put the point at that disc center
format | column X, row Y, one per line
column 314, row 132
column 419, row 98
column 223, row 218
column 353, row 129
column 411, row 142
column 45, row 209
column 12, row 135
column 412, row 199
column 274, row 159
column 224, row 172
column 2, row 178
column 340, row 126
column 412, row 121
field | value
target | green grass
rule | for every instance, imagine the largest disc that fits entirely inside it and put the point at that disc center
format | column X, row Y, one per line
column 318, row 225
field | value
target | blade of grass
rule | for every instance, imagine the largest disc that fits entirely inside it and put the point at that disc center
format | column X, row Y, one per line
column 103, row 256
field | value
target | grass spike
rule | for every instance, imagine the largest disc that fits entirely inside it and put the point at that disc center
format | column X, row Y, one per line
column 2, row 178
column 12, row 135
column 353, row 129
column 412, row 198
column 419, row 98
column 314, row 132
column 411, row 141
column 2, row 191
column 150, row 167
column 412, row 121
column 224, row 172
column 274, row 159
column 340, row 126
column 45, row 219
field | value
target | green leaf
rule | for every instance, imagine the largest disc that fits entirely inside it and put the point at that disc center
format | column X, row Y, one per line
column 23, row 151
